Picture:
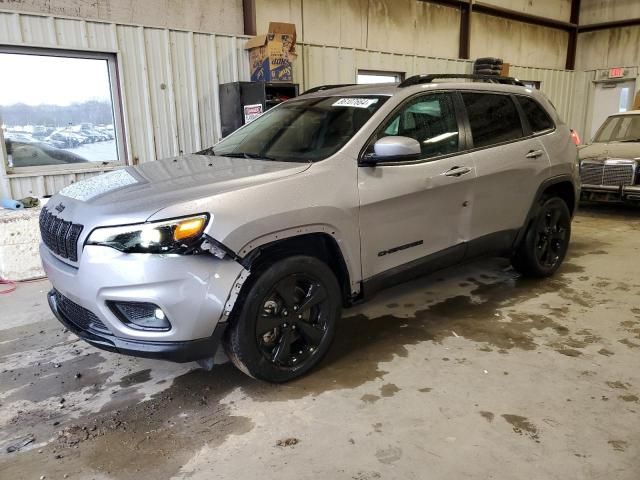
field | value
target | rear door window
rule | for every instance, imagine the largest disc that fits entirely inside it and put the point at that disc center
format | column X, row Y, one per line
column 493, row 118
column 538, row 118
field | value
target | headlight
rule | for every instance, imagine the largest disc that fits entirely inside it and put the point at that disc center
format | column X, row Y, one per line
column 180, row 235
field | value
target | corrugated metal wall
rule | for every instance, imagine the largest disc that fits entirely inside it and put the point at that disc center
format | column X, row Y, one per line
column 168, row 78
column 169, row 81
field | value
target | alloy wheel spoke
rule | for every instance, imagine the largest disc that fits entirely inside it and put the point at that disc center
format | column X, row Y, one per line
column 268, row 322
column 283, row 349
column 315, row 295
column 312, row 335
column 286, row 290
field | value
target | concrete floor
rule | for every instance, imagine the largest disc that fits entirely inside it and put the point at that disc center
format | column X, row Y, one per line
column 469, row 373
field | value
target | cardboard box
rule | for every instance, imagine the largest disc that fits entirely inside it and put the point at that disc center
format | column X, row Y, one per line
column 271, row 56
column 636, row 102
column 505, row 70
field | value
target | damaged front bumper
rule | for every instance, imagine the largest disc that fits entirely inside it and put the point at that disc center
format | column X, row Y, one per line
column 195, row 292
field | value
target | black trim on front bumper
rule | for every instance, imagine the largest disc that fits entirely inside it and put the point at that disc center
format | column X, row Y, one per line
column 187, row 351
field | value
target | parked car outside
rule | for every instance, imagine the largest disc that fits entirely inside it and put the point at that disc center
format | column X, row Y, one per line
column 610, row 165
column 63, row 139
column 261, row 240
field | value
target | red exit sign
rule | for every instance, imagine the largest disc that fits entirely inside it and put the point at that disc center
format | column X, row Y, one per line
column 617, row 72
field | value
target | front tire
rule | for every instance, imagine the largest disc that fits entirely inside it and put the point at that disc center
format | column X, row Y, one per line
column 284, row 321
column 546, row 241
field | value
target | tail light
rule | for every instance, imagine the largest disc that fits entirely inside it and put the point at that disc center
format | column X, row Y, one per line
column 575, row 137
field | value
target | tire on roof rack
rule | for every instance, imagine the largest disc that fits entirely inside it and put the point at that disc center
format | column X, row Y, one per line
column 484, row 66
column 488, row 72
column 492, row 60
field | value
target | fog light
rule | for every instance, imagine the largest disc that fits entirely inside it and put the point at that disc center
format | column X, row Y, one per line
column 140, row 315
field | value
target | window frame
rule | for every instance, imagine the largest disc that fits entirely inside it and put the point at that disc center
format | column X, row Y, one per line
column 117, row 107
column 523, row 117
column 463, row 132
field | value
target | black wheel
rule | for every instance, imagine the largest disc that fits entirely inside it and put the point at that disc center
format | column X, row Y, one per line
column 546, row 241
column 284, row 322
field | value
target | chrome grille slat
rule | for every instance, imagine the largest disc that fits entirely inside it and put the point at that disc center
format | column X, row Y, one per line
column 60, row 236
column 591, row 173
column 618, row 175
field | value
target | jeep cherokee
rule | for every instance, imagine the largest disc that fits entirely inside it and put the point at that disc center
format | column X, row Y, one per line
column 261, row 240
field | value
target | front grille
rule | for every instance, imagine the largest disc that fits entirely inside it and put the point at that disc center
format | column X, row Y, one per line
column 618, row 175
column 591, row 173
column 612, row 174
column 80, row 316
column 59, row 236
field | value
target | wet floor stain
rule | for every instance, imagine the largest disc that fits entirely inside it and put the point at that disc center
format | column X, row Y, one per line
column 605, row 352
column 369, row 398
column 522, row 426
column 569, row 352
column 618, row 445
column 389, row 455
column 629, row 398
column 618, row 384
column 135, row 378
column 629, row 343
column 488, row 416
column 425, row 389
column 389, row 390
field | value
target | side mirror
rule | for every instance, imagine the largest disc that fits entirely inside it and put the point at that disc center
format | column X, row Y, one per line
column 393, row 148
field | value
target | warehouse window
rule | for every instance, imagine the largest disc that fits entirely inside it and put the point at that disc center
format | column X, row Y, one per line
column 371, row 76
column 59, row 109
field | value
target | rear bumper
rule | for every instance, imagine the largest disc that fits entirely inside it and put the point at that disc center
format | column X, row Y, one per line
column 611, row 192
column 184, row 351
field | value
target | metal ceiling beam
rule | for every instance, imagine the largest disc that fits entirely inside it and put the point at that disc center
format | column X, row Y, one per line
column 506, row 13
column 249, row 16
column 630, row 22
column 464, row 50
column 572, row 44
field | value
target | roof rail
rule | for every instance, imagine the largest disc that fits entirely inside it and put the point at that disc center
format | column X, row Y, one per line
column 419, row 79
column 327, row 87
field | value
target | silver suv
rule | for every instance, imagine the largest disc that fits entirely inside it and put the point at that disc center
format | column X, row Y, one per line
column 260, row 241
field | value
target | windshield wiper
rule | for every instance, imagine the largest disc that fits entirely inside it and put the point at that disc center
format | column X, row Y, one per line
column 252, row 156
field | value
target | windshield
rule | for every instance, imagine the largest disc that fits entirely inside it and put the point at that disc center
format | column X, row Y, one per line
column 305, row 130
column 622, row 128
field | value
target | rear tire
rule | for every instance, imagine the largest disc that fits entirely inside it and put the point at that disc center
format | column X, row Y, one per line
column 284, row 321
column 546, row 240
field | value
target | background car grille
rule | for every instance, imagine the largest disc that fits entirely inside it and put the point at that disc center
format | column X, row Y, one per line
column 78, row 315
column 618, row 175
column 59, row 236
column 591, row 173
column 607, row 174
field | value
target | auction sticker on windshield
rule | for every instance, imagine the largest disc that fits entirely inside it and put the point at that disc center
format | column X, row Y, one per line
column 355, row 102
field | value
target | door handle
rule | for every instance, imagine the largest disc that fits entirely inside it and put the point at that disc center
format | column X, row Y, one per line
column 457, row 171
column 534, row 154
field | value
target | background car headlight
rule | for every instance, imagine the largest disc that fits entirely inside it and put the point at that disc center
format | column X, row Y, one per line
column 179, row 235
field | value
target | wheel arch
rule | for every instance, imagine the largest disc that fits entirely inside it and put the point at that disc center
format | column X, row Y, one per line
column 321, row 243
column 562, row 186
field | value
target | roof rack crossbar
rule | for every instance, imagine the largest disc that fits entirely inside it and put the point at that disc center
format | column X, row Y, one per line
column 420, row 79
column 327, row 87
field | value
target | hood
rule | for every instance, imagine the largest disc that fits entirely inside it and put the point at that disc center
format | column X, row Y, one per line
column 133, row 194
column 604, row 151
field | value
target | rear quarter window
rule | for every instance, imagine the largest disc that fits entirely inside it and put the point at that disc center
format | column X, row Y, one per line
column 539, row 119
column 493, row 118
